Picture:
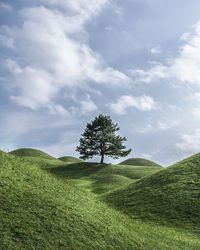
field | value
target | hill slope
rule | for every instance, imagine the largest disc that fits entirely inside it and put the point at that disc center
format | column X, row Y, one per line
column 139, row 162
column 70, row 159
column 170, row 195
column 40, row 211
column 101, row 178
column 30, row 152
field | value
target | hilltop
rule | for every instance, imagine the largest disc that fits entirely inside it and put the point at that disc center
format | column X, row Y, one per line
column 139, row 162
column 30, row 152
column 171, row 195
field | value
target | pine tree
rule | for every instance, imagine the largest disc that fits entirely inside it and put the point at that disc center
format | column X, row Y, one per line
column 99, row 138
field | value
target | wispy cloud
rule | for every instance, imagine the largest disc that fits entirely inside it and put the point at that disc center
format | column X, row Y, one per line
column 5, row 7
column 190, row 142
column 143, row 103
column 51, row 46
column 88, row 105
column 156, row 50
column 184, row 68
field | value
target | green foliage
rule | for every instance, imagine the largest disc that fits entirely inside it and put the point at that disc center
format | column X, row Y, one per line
column 139, row 162
column 171, row 195
column 41, row 211
column 99, row 138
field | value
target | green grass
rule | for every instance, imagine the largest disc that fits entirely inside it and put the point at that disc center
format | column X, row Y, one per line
column 41, row 211
column 101, row 178
column 69, row 159
column 139, row 162
column 30, row 152
column 170, row 196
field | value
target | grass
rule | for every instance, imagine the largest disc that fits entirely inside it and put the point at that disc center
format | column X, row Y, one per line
column 170, row 196
column 69, row 159
column 39, row 210
column 139, row 162
column 30, row 152
column 101, row 178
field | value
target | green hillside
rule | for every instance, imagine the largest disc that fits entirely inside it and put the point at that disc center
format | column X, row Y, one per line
column 171, row 195
column 41, row 211
column 139, row 162
column 101, row 178
column 69, row 159
column 30, row 152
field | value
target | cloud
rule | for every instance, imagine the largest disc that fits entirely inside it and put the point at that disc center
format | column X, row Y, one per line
column 156, row 50
column 158, row 71
column 5, row 7
column 163, row 126
column 190, row 142
column 88, row 105
column 142, row 103
column 6, row 42
column 184, row 68
column 53, row 53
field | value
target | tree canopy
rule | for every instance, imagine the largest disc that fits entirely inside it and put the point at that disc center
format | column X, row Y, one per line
column 100, row 138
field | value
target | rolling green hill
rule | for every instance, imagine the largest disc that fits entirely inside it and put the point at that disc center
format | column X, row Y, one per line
column 41, row 211
column 139, row 162
column 101, row 178
column 30, row 152
column 69, row 159
column 171, row 195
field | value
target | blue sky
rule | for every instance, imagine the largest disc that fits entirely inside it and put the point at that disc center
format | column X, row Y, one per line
column 64, row 62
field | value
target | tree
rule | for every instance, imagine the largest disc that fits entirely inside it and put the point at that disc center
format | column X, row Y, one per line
column 99, row 138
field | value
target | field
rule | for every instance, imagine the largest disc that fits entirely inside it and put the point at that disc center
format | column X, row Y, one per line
column 49, row 203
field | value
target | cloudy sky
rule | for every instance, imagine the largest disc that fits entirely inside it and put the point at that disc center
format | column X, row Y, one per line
column 63, row 62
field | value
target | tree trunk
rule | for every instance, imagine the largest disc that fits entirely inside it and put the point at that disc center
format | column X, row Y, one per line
column 102, row 158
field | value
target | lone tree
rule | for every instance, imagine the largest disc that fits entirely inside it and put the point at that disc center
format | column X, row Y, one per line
column 99, row 138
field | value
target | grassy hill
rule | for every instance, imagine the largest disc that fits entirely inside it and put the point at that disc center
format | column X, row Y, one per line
column 139, row 162
column 30, row 152
column 70, row 159
column 171, row 195
column 41, row 211
column 101, row 178
column 41, row 158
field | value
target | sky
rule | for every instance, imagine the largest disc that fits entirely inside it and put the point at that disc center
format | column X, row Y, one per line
column 64, row 62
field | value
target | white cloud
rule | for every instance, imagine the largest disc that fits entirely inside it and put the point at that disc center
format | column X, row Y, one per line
column 145, row 129
column 50, row 44
column 5, row 6
column 88, row 105
column 184, row 68
column 190, row 142
column 156, row 50
column 143, row 103
column 163, row 126
column 158, row 71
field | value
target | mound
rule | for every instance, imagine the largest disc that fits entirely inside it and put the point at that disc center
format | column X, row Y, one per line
column 70, row 159
column 139, row 162
column 170, row 195
column 31, row 153
column 102, row 178
column 40, row 211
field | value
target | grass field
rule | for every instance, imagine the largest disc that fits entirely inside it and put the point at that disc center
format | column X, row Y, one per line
column 101, row 178
column 41, row 209
column 170, row 196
